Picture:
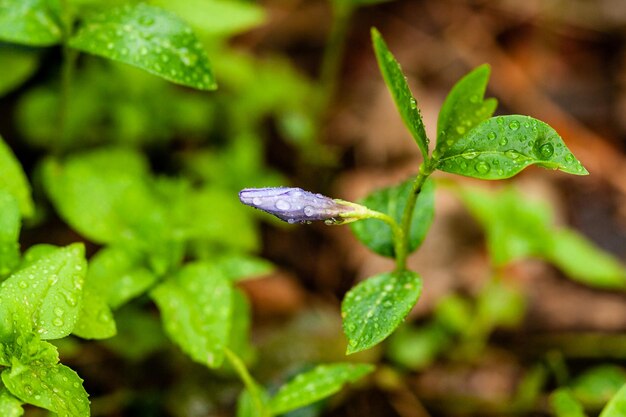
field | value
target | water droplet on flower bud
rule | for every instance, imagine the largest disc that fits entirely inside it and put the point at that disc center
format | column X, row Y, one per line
column 283, row 205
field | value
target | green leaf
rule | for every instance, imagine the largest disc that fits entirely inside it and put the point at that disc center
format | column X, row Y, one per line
column 399, row 89
column 10, row 224
column 595, row 387
column 216, row 17
column 500, row 304
column 196, row 306
column 376, row 234
column 149, row 38
column 417, row 348
column 239, row 337
column 247, row 407
column 30, row 22
column 617, row 406
column 46, row 294
column 54, row 387
column 96, row 319
column 238, row 266
column 13, row 180
column 321, row 382
column 584, row 262
column 18, row 64
column 464, row 108
column 564, row 404
column 502, row 146
column 375, row 307
column 9, row 405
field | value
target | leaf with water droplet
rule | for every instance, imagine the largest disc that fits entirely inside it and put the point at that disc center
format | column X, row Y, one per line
column 54, row 387
column 30, row 22
column 400, row 91
column 10, row 406
column 367, row 317
column 149, row 38
column 54, row 281
column 196, row 310
column 10, row 223
column 13, row 180
column 320, row 382
column 617, row 405
column 465, row 108
column 376, row 234
column 96, row 319
column 523, row 141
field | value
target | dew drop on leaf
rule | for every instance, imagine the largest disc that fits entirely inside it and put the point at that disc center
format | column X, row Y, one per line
column 482, row 167
column 513, row 154
column 514, row 125
column 569, row 157
column 491, row 135
column 503, row 141
column 546, row 150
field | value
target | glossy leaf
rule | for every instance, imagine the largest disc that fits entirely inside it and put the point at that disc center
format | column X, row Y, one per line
column 464, row 108
column 10, row 224
column 399, row 89
column 376, row 234
column 48, row 292
column 18, row 65
column 617, row 406
column 30, row 22
column 10, row 406
column 13, row 180
column 595, row 387
column 564, row 404
column 54, row 387
column 149, row 38
column 316, row 384
column 375, row 307
column 502, row 146
column 196, row 309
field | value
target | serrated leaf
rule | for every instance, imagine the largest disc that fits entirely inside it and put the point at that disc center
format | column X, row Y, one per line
column 375, row 307
column 196, row 309
column 10, row 406
column 18, row 64
column 464, row 108
column 617, row 406
column 596, row 386
column 399, row 89
column 376, row 234
column 564, row 404
column 54, row 387
column 584, row 262
column 46, row 294
column 13, row 180
column 30, row 22
column 149, row 38
column 316, row 384
column 10, row 224
column 502, row 146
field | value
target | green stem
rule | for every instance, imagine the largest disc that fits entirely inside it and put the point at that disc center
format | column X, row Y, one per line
column 249, row 382
column 402, row 247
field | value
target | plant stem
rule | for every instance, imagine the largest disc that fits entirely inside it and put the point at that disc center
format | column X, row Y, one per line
column 402, row 247
column 249, row 382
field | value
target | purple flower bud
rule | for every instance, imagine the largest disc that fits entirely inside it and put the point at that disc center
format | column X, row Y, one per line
column 294, row 205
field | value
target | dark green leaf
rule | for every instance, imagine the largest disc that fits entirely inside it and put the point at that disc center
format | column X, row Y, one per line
column 54, row 387
column 10, row 224
column 13, row 179
column 48, row 292
column 30, row 22
column 9, row 405
column 316, row 384
column 617, row 406
column 399, row 89
column 564, row 404
column 502, row 146
column 376, row 306
column 17, row 65
column 595, row 387
column 376, row 234
column 196, row 306
column 150, row 38
column 464, row 108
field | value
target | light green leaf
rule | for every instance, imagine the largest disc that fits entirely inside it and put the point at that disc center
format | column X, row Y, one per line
column 149, row 38
column 399, row 89
column 216, row 17
column 13, row 180
column 196, row 309
column 35, row 252
column 239, row 337
column 54, row 387
column 375, row 307
column 17, row 64
column 417, row 348
column 464, row 108
column 500, row 304
column 617, row 406
column 564, row 404
column 376, row 234
column 239, row 266
column 584, row 262
column 46, row 294
column 595, row 387
column 30, row 22
column 502, row 146
column 312, row 386
column 247, row 407
column 9, row 405
column 96, row 319
column 10, row 224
